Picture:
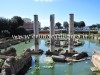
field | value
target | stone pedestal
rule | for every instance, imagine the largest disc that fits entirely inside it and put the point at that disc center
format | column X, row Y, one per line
column 58, row 41
column 71, row 32
column 52, row 33
column 36, row 32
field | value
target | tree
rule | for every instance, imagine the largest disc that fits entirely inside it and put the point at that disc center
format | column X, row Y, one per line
column 75, row 24
column 4, row 24
column 94, row 26
column 90, row 27
column 98, row 26
column 45, row 28
column 58, row 24
column 10, row 24
column 21, row 31
column 5, row 33
column 19, row 20
column 13, row 25
column 65, row 24
column 15, row 22
column 81, row 24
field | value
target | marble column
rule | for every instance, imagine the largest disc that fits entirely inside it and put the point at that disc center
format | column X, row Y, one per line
column 71, row 32
column 52, row 33
column 36, row 32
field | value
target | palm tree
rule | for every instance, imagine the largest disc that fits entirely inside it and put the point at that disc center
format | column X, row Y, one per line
column 81, row 24
column 65, row 24
column 58, row 24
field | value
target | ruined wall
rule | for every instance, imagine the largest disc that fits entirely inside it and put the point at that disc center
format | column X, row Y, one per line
column 96, row 59
column 13, row 65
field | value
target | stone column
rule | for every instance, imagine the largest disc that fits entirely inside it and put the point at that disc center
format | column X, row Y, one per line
column 52, row 33
column 71, row 32
column 36, row 32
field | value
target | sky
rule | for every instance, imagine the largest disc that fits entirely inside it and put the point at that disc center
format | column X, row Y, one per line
column 83, row 10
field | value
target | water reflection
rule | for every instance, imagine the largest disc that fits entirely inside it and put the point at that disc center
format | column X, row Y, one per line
column 52, row 70
column 79, row 68
column 37, row 66
column 89, row 43
column 70, row 67
column 42, row 66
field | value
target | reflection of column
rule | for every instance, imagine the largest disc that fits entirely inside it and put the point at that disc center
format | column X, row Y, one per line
column 36, row 31
column 71, row 32
column 89, row 43
column 52, row 70
column 37, row 65
column 52, row 33
column 70, row 69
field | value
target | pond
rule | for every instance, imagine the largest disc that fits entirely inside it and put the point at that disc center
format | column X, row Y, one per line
column 77, row 68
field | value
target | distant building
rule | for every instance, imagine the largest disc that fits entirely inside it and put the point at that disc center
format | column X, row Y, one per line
column 28, row 24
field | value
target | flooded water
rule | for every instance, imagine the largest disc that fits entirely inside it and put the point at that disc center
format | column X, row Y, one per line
column 77, row 68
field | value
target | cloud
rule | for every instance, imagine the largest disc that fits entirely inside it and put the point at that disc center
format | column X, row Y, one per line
column 43, row 0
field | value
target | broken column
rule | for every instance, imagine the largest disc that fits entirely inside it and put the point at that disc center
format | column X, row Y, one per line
column 71, row 32
column 36, row 32
column 52, row 33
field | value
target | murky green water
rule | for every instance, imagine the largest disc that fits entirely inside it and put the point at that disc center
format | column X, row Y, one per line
column 78, row 68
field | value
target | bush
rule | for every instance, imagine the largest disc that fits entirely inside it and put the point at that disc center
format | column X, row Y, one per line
column 5, row 33
column 21, row 31
column 1, row 63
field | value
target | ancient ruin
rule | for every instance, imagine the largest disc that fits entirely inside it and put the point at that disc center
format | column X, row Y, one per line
column 71, row 32
column 52, row 32
column 36, row 32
